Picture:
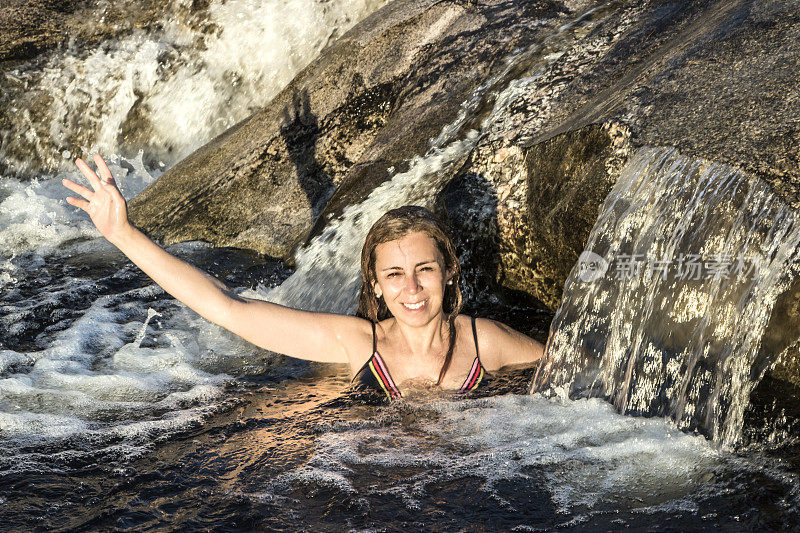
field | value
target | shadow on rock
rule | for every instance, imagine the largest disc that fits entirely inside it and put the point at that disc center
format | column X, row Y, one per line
column 469, row 205
column 300, row 131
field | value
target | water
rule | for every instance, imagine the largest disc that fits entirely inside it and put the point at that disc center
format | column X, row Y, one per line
column 293, row 457
column 665, row 312
column 121, row 408
column 166, row 91
column 328, row 269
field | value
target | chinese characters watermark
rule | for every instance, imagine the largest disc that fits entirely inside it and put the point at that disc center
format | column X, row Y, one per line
column 683, row 267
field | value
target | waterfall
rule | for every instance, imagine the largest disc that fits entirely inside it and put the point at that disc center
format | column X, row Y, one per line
column 102, row 375
column 665, row 310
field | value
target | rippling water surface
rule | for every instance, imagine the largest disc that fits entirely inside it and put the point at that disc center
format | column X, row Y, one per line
column 297, row 455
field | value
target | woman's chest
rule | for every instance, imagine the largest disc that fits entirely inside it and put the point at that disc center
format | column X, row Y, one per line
column 423, row 373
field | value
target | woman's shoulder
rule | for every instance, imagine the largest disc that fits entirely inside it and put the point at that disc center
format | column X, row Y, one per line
column 501, row 345
column 485, row 325
column 491, row 337
column 354, row 335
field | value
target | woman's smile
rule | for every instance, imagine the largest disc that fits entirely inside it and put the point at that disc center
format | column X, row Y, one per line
column 419, row 306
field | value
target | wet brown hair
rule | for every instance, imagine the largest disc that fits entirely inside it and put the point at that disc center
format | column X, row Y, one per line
column 396, row 224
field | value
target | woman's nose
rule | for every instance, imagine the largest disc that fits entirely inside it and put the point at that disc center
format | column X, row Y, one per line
column 412, row 283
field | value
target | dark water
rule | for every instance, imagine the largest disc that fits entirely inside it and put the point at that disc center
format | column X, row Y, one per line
column 262, row 465
column 121, row 409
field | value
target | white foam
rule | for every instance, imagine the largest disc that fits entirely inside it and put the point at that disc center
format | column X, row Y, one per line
column 10, row 358
column 587, row 454
column 34, row 215
column 46, row 425
column 90, row 377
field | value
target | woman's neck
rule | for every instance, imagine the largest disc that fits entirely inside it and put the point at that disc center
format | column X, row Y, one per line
column 423, row 343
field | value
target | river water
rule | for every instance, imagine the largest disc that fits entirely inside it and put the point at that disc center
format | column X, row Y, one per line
column 121, row 408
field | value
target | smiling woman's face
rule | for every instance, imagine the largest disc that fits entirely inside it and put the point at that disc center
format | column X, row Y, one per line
column 410, row 275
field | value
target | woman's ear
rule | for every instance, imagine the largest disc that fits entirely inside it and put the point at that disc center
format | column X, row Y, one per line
column 376, row 289
column 449, row 276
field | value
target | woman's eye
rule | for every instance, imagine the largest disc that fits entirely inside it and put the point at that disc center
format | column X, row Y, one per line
column 392, row 274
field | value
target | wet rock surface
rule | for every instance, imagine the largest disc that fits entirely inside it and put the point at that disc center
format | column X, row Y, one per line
column 30, row 27
column 693, row 75
column 711, row 79
column 537, row 204
column 717, row 80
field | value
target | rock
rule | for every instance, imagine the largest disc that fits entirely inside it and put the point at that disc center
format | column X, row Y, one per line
column 374, row 99
column 716, row 80
column 654, row 73
column 30, row 27
column 538, row 204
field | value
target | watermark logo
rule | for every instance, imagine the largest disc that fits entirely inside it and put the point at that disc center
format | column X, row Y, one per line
column 683, row 267
column 591, row 267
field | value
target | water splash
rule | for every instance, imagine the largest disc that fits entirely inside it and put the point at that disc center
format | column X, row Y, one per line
column 665, row 312
column 34, row 216
column 100, row 373
column 168, row 90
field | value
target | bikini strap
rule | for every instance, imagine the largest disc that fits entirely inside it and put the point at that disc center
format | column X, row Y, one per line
column 374, row 340
column 475, row 336
column 476, row 373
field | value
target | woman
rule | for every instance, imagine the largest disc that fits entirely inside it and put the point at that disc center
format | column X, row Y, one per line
column 415, row 336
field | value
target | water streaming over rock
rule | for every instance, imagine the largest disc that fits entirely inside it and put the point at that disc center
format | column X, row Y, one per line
column 76, row 373
column 106, row 369
column 327, row 276
column 665, row 311
column 168, row 90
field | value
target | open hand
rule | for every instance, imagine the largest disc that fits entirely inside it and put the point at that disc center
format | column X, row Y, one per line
column 105, row 204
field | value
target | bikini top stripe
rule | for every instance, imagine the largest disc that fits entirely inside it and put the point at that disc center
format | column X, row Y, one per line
column 374, row 374
column 382, row 376
column 475, row 376
column 476, row 372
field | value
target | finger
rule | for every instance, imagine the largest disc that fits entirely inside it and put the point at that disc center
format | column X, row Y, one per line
column 77, row 202
column 94, row 181
column 105, row 173
column 80, row 189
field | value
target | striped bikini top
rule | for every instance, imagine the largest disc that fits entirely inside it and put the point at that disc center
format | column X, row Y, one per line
column 375, row 376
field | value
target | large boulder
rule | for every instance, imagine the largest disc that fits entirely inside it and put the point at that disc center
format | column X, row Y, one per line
column 713, row 79
column 373, row 100
column 716, row 80
column 538, row 203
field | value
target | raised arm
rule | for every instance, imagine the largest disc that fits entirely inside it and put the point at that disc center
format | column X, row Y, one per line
column 501, row 345
column 314, row 336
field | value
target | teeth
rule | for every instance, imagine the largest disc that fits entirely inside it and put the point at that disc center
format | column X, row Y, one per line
column 415, row 306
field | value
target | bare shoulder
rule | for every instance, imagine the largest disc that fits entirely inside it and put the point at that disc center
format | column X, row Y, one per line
column 501, row 345
column 355, row 334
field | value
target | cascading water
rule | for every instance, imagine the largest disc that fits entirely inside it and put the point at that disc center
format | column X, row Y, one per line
column 57, row 380
column 327, row 277
column 72, row 368
column 166, row 91
column 665, row 310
